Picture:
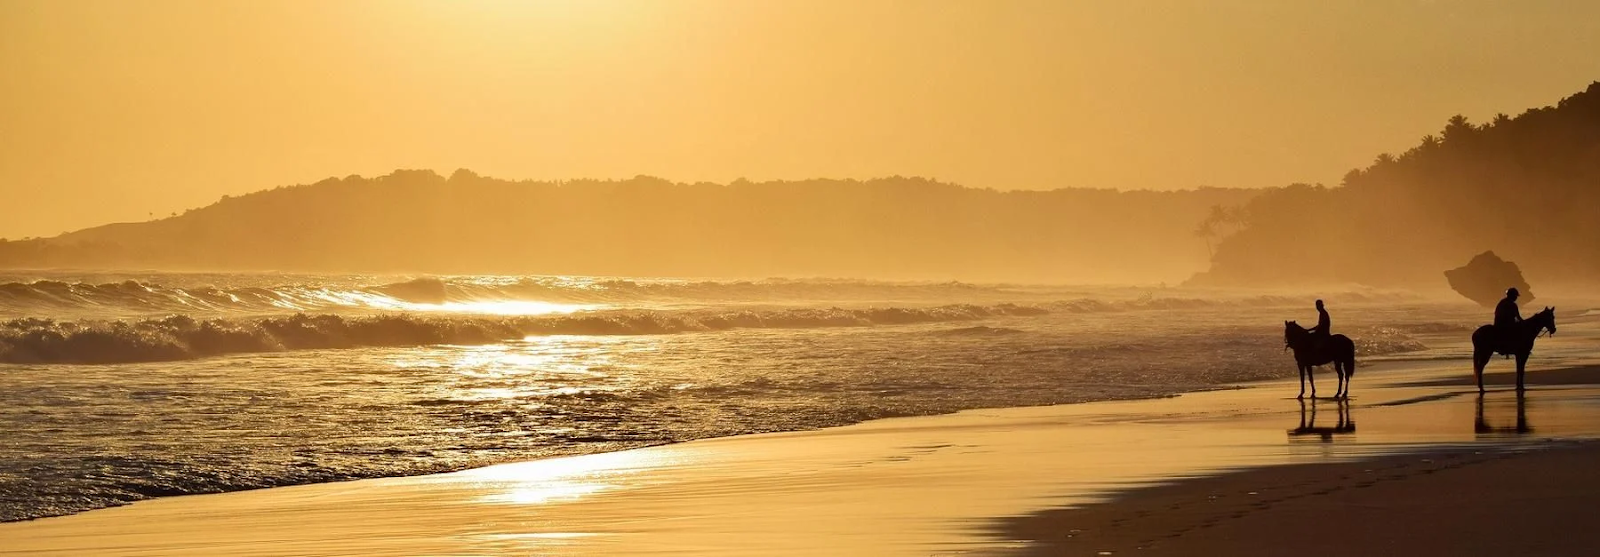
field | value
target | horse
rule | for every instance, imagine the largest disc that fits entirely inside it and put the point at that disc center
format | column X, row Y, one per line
column 1337, row 349
column 1486, row 343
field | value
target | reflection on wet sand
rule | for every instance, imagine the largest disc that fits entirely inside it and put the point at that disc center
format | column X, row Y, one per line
column 1308, row 421
column 1481, row 426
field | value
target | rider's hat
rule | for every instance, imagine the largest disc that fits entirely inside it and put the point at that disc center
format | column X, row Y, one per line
column 1511, row 291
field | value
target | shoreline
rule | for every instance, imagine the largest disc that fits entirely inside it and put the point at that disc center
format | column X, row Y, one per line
column 935, row 483
column 513, row 461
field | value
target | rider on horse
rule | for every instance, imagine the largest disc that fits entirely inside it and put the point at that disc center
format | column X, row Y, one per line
column 1507, row 315
column 1320, row 333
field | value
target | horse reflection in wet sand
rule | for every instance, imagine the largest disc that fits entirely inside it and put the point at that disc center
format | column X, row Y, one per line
column 1338, row 350
column 1481, row 426
column 1308, row 422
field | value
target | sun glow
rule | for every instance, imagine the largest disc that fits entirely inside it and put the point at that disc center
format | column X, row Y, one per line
column 557, row 16
column 563, row 479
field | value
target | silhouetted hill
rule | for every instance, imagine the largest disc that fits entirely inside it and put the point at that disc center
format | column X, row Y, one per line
column 1527, row 188
column 418, row 221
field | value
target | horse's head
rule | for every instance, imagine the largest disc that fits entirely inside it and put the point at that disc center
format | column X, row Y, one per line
column 1545, row 319
column 1291, row 331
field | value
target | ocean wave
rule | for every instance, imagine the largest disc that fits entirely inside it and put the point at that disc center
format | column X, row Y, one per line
column 181, row 337
column 47, row 297
column 457, row 295
column 259, row 295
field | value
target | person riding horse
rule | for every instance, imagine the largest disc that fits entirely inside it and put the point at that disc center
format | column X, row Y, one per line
column 1506, row 315
column 1510, row 335
column 1321, row 332
column 1319, row 346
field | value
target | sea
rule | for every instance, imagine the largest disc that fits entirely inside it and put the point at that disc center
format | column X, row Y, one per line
column 119, row 387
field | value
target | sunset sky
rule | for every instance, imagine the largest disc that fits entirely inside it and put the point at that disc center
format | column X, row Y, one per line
column 114, row 111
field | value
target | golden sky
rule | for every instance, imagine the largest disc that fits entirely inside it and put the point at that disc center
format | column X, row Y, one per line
column 116, row 110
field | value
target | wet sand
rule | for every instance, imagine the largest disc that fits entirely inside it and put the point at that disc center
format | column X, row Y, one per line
column 1482, row 499
column 1569, row 376
column 1536, row 501
column 1001, row 481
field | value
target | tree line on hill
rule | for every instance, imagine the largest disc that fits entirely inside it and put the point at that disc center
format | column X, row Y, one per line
column 898, row 227
column 1524, row 187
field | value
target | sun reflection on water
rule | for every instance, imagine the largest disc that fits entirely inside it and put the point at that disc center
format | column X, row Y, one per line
column 563, row 479
column 531, row 370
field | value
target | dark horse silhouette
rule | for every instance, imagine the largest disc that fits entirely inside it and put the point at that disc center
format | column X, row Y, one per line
column 1486, row 342
column 1337, row 349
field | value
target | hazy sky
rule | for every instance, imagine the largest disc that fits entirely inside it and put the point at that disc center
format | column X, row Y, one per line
column 111, row 111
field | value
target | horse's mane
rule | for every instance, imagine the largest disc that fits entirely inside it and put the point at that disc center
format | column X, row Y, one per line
column 1548, row 312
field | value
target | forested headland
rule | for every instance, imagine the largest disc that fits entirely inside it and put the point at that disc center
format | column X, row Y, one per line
column 894, row 228
column 1525, row 187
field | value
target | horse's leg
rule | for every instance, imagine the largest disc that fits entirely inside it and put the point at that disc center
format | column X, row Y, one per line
column 1344, row 393
column 1522, row 363
column 1344, row 380
column 1349, row 374
column 1338, row 377
column 1312, row 378
column 1302, row 369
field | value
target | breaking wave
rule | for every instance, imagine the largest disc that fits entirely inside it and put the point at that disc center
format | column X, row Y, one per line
column 458, row 295
column 135, row 297
column 264, row 294
column 183, row 337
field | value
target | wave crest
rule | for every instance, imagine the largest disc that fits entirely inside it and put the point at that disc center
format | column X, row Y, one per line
column 264, row 294
column 181, row 337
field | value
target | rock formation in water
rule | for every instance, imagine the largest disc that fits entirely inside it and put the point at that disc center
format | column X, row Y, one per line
column 1486, row 278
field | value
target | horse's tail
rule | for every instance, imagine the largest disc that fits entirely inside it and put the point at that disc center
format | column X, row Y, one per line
column 1349, row 358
